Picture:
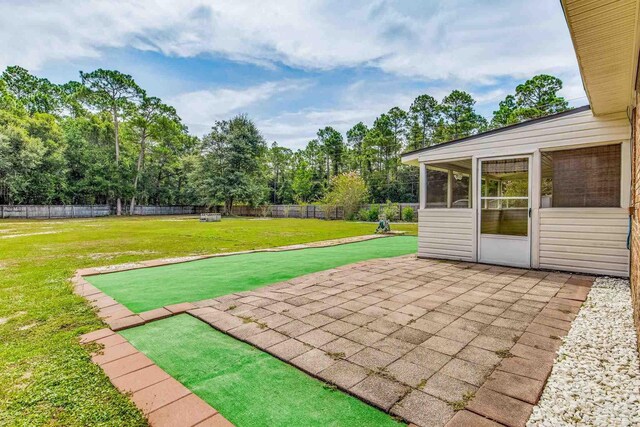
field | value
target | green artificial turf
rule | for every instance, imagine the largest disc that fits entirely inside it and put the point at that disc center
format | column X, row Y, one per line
column 149, row 288
column 247, row 386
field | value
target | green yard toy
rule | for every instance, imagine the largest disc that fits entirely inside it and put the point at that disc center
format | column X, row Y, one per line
column 383, row 225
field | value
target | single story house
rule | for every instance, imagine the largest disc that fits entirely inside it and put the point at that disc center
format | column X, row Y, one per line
column 555, row 192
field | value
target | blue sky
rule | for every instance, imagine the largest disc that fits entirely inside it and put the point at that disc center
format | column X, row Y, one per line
column 296, row 66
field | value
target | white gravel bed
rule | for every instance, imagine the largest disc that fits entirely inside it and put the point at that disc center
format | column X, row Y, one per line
column 595, row 380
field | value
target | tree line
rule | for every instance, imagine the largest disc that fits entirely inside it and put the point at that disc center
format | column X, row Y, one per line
column 103, row 139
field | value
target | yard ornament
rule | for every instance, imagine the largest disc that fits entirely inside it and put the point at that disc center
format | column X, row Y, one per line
column 383, row 225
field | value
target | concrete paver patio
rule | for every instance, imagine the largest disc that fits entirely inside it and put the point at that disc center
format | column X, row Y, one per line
column 433, row 342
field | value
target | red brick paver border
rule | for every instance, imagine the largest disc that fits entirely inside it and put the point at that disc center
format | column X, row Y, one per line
column 161, row 398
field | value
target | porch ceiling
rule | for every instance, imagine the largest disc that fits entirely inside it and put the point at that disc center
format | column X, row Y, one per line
column 605, row 38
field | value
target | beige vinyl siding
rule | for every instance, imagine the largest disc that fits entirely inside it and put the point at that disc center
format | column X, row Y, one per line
column 590, row 240
column 446, row 234
column 581, row 128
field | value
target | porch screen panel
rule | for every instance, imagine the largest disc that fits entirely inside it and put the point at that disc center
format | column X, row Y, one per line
column 449, row 185
column 586, row 177
column 460, row 191
column 437, row 183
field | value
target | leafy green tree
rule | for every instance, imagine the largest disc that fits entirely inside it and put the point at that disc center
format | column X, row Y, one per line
column 315, row 157
column 504, row 115
column 303, row 183
column 333, row 146
column 38, row 95
column 423, row 117
column 20, row 157
column 397, row 123
column 355, row 137
column 71, row 94
column 163, row 178
column 347, row 190
column 459, row 118
column 385, row 143
column 117, row 94
column 279, row 162
column 88, row 142
column 32, row 165
column 8, row 102
column 537, row 97
column 146, row 123
column 231, row 169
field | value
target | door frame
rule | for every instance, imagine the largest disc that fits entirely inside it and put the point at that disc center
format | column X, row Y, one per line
column 477, row 192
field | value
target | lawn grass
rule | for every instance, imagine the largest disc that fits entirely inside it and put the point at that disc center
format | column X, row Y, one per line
column 149, row 288
column 46, row 377
column 247, row 386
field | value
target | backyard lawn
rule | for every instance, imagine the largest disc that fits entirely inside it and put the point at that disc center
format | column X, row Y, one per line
column 45, row 376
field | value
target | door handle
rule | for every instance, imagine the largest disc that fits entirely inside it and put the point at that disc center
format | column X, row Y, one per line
column 529, row 212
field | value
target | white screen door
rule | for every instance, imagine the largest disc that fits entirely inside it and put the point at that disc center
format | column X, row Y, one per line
column 504, row 223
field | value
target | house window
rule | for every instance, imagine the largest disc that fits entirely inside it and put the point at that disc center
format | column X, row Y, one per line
column 449, row 185
column 581, row 178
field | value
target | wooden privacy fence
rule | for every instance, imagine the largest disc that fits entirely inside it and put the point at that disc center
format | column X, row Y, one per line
column 273, row 211
column 308, row 211
column 168, row 210
column 286, row 211
column 90, row 211
column 54, row 211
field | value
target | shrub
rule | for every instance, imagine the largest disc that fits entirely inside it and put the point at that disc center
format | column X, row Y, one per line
column 373, row 213
column 391, row 211
column 407, row 214
column 347, row 190
column 363, row 214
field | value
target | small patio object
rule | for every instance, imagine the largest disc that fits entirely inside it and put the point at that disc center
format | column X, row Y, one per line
column 383, row 225
column 210, row 217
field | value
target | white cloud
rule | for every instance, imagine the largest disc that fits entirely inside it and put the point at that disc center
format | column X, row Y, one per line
column 200, row 109
column 360, row 102
column 465, row 40
column 466, row 44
